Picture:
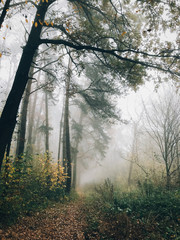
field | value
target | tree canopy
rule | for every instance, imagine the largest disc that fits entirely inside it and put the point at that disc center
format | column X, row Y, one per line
column 125, row 36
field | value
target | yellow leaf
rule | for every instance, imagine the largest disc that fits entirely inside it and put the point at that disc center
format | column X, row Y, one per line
column 36, row 24
column 26, row 20
column 47, row 1
column 52, row 24
column 32, row 22
column 4, row 38
column 40, row 22
column 0, row 55
column 7, row 10
column 26, row 2
column 7, row 26
column 46, row 23
column 123, row 34
column 2, row 1
column 67, row 29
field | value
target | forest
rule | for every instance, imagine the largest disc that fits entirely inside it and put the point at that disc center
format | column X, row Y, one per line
column 90, row 119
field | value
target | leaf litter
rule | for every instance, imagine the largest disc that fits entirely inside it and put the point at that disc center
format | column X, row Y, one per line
column 62, row 221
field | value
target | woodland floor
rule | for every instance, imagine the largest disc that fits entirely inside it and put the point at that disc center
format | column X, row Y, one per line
column 74, row 220
column 62, row 221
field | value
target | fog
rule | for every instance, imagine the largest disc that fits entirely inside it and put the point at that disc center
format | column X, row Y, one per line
column 94, row 168
column 108, row 133
column 93, row 165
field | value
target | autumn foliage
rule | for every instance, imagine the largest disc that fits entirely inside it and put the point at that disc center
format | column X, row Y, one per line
column 27, row 184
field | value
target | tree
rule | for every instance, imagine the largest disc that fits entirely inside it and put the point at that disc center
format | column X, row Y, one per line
column 95, row 99
column 89, row 141
column 78, row 129
column 8, row 116
column 30, row 129
column 97, row 107
column 23, row 120
column 67, row 162
column 114, row 43
column 163, row 125
column 46, row 122
column 4, row 12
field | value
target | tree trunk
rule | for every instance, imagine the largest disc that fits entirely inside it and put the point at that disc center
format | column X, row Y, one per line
column 134, row 152
column 178, row 163
column 67, row 154
column 23, row 120
column 66, row 135
column 9, row 113
column 59, row 146
column 77, row 141
column 35, row 140
column 29, row 149
column 4, row 12
column 47, row 124
column 168, row 180
column 60, row 135
column 130, row 173
column 168, row 175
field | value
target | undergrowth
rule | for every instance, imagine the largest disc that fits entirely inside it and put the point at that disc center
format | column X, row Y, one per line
column 150, row 212
column 28, row 184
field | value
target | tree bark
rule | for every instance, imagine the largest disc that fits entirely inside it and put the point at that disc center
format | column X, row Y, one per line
column 77, row 141
column 23, row 120
column 59, row 146
column 134, row 151
column 60, row 135
column 47, row 124
column 29, row 148
column 66, row 135
column 130, row 173
column 4, row 12
column 168, row 176
column 9, row 114
column 36, row 138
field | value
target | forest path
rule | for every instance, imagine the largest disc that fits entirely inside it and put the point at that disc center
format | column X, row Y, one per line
column 62, row 221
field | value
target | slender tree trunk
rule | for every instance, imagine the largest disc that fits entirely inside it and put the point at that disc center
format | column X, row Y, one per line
column 66, row 134
column 178, row 163
column 47, row 163
column 60, row 135
column 35, row 141
column 134, row 152
column 4, row 12
column 29, row 149
column 59, row 146
column 168, row 177
column 23, row 120
column 168, row 181
column 130, row 173
column 9, row 113
column 47, row 124
column 77, row 141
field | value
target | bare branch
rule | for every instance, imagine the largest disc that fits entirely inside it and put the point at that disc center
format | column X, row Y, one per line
column 112, row 52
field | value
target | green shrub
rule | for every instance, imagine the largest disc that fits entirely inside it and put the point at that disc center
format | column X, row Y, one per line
column 152, row 211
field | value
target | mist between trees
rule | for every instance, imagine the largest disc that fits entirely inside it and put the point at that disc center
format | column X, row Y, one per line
column 64, row 66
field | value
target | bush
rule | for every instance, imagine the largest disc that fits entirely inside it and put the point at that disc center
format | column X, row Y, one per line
column 150, row 212
column 28, row 184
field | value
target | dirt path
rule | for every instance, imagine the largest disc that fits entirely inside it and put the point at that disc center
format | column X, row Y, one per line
column 63, row 221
